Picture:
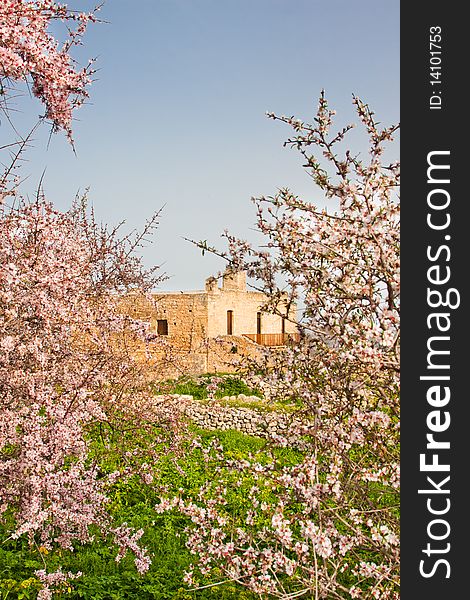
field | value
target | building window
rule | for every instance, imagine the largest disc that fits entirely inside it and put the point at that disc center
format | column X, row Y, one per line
column 162, row 327
column 283, row 325
column 230, row 322
column 258, row 323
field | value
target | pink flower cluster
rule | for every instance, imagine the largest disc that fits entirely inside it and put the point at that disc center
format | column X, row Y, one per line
column 53, row 581
column 28, row 51
column 293, row 535
column 127, row 539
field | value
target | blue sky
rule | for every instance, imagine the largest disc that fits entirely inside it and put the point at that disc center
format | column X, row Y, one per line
column 177, row 118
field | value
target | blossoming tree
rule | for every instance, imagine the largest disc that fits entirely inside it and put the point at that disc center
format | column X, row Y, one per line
column 326, row 527
column 66, row 359
column 62, row 368
column 28, row 52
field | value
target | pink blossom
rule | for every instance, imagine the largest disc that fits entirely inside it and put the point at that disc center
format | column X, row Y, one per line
column 27, row 50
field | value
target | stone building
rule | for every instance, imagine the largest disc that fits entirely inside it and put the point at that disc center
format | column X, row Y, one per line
column 208, row 330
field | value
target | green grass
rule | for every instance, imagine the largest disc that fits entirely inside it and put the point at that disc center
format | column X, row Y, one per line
column 231, row 385
column 260, row 405
column 132, row 502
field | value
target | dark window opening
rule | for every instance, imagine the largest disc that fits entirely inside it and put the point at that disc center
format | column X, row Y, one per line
column 258, row 323
column 162, row 327
column 283, row 325
column 230, row 322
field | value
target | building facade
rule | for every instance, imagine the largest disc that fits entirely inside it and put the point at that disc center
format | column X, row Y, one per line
column 189, row 323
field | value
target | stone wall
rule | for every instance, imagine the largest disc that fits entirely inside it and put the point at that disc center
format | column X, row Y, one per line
column 281, row 427
column 226, row 353
column 245, row 306
column 186, row 318
column 183, row 349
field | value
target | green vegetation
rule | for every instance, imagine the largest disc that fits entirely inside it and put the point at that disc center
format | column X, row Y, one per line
column 259, row 405
column 230, row 385
column 105, row 579
column 131, row 502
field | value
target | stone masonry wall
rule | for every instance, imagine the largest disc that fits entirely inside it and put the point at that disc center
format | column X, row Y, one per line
column 195, row 323
column 183, row 350
column 186, row 315
column 280, row 427
column 226, row 353
column 245, row 305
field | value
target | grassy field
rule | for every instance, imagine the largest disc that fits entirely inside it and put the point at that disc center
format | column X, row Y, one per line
column 134, row 503
column 131, row 502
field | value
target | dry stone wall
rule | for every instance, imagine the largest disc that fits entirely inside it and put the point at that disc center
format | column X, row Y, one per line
column 281, row 427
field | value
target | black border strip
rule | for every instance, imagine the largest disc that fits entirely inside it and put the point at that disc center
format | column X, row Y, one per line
column 434, row 401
